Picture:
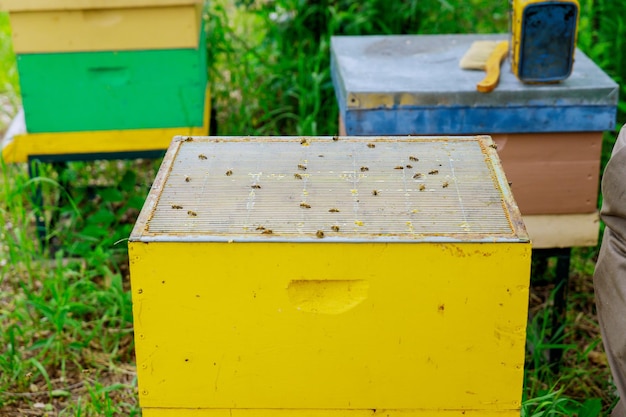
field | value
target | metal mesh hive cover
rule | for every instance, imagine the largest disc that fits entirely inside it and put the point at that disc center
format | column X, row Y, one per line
column 283, row 188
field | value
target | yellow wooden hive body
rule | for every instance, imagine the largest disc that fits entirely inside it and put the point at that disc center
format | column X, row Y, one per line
column 323, row 277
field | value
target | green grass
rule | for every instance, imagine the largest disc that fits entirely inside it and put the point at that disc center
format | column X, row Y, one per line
column 66, row 344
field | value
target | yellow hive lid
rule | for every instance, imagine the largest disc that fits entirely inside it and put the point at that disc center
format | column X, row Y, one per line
column 329, row 189
column 41, row 5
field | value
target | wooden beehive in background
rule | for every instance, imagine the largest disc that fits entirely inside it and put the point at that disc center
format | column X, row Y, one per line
column 94, row 66
column 549, row 137
column 98, row 65
column 330, row 277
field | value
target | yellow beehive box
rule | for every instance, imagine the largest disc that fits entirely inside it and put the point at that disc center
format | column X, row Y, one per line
column 327, row 277
column 45, row 26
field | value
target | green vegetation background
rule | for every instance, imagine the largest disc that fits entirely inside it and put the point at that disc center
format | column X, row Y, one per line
column 65, row 322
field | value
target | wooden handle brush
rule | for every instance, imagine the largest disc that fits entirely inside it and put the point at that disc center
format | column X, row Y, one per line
column 486, row 56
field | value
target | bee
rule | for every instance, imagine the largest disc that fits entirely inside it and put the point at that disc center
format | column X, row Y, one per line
column 177, row 207
column 261, row 228
column 335, row 138
column 335, row 228
column 409, row 166
column 422, row 187
column 374, row 192
column 187, row 178
column 267, row 232
column 256, row 186
column 333, row 210
column 433, row 172
column 399, row 167
column 305, row 205
column 301, row 167
column 413, row 158
column 445, row 184
column 417, row 175
column 297, row 176
column 371, row 145
column 189, row 139
column 192, row 213
column 494, row 146
column 304, row 142
column 319, row 234
column 202, row 156
column 229, row 173
column 363, row 169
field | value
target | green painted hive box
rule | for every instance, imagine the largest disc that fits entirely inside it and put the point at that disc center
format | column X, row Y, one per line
column 108, row 90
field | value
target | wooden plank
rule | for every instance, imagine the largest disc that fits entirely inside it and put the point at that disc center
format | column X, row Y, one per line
column 106, row 29
column 37, row 5
column 563, row 230
column 474, row 120
column 277, row 412
column 555, row 173
column 113, row 90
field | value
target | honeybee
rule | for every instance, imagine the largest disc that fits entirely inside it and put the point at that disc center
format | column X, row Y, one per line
column 409, row 166
column 333, row 210
column 192, row 213
column 417, row 175
column 256, row 186
column 297, row 176
column 202, row 156
column 335, row 228
column 363, row 169
column 422, row 187
column 374, row 192
column 305, row 205
column 319, row 234
column 267, row 232
column 229, row 173
column 399, row 167
column 494, row 146
column 433, row 172
column 335, row 138
column 371, row 145
column 445, row 184
column 304, row 142
column 413, row 158
column 177, row 206
column 187, row 178
column 301, row 167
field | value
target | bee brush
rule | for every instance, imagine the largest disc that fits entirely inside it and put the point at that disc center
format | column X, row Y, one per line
column 486, row 56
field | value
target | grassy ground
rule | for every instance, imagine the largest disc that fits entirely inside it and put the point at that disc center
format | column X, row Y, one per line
column 65, row 322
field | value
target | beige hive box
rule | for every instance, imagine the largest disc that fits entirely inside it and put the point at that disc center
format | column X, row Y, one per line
column 327, row 277
column 45, row 26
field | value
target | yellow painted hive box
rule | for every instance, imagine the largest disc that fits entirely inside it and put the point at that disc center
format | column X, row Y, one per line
column 45, row 26
column 327, row 277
